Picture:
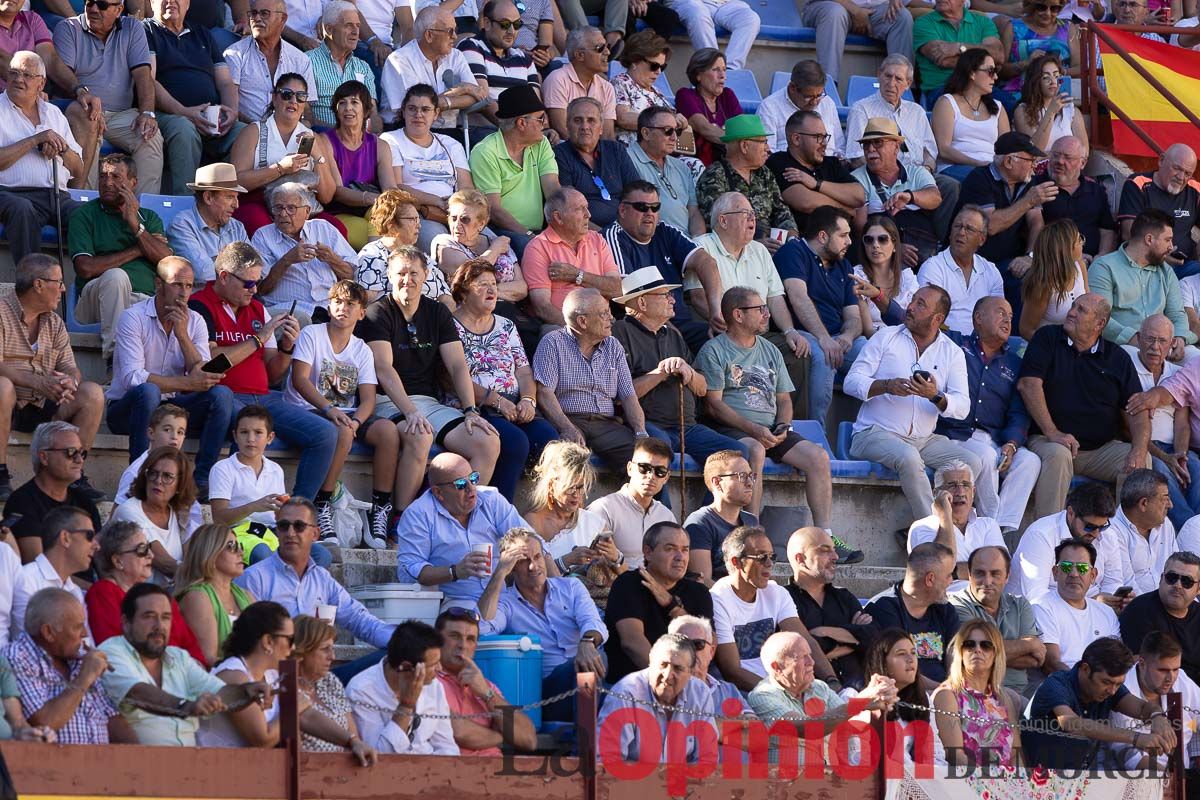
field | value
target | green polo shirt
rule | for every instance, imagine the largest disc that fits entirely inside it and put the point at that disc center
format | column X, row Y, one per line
column 933, row 27
column 519, row 185
column 94, row 230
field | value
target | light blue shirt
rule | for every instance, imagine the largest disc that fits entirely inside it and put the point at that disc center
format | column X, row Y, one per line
column 274, row 579
column 567, row 613
column 194, row 239
column 431, row 537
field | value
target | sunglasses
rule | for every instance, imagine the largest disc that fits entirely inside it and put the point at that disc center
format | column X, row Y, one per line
column 462, row 483
column 761, row 558
column 600, row 48
column 1172, row 578
column 1088, row 527
column 73, row 453
column 883, row 238
column 508, row 25
column 460, row 614
column 141, row 551
column 248, row 284
column 646, row 469
column 744, row 477
column 989, row 70
column 645, row 208
column 599, row 184
column 298, row 525
column 89, row 533
column 666, row 130
column 1080, row 567
column 983, row 644
column 288, row 95
column 287, row 637
column 1042, row 8
column 656, row 66
column 101, row 4
column 233, row 546
column 698, row 644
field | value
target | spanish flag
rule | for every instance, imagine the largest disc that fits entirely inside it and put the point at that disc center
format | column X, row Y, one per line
column 1177, row 69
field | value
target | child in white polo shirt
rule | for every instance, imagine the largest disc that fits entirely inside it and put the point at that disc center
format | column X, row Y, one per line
column 247, row 488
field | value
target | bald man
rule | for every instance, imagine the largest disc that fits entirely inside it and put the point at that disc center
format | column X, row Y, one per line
column 439, row 532
column 831, row 614
column 1170, row 189
column 1080, row 199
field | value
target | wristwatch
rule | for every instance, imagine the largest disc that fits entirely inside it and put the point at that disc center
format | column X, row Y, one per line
column 81, row 88
column 641, row 435
column 149, row 114
column 471, row 410
column 939, row 397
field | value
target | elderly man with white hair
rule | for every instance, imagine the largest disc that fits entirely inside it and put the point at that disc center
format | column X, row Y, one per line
column 303, row 257
column 790, row 685
column 334, row 62
column 667, row 681
column 953, row 521
column 699, row 631
column 427, row 59
column 34, row 138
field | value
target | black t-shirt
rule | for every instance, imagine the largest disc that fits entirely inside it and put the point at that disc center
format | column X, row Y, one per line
column 932, row 632
column 33, row 505
column 415, row 354
column 831, row 170
column 1088, row 208
column 1146, row 613
column 839, row 607
column 1085, row 392
column 985, row 188
column 629, row 598
column 707, row 530
column 1141, row 192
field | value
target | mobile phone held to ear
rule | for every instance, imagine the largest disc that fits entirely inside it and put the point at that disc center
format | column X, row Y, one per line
column 305, row 146
column 219, row 365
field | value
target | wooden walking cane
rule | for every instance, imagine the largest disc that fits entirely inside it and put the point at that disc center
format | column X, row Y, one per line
column 682, row 454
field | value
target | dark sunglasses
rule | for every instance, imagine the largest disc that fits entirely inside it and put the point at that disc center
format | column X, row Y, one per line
column 141, row 551
column 646, row 469
column 983, row 644
column 644, row 208
column 288, row 95
column 698, row 644
column 508, row 25
column 299, row 526
column 1091, row 528
column 881, row 239
column 989, row 70
column 655, row 66
column 73, row 453
column 1080, row 567
column 666, row 130
column 287, row 637
column 101, row 4
column 89, row 533
column 459, row 614
column 462, row 483
column 600, row 48
column 1044, row 7
column 247, row 284
column 761, row 558
column 1172, row 578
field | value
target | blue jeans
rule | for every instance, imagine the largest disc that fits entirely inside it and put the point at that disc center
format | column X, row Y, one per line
column 821, row 375
column 519, row 239
column 957, row 171
column 210, row 414
column 560, row 679
column 184, row 147
column 518, row 443
column 1185, row 503
column 701, row 441
column 314, row 436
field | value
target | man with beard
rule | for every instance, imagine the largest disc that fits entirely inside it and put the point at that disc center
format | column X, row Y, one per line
column 807, row 177
column 1155, row 676
column 1170, row 189
column 966, row 275
column 1171, row 609
column 1138, row 283
column 820, row 291
column 162, row 691
column 1080, row 198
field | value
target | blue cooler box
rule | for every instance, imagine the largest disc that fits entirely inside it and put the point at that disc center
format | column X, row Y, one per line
column 514, row 664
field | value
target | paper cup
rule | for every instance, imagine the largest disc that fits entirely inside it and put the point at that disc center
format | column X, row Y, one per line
column 327, row 613
column 213, row 115
column 779, row 235
column 486, row 549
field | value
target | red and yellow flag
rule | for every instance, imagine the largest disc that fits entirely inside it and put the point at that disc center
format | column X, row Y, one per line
column 1177, row 69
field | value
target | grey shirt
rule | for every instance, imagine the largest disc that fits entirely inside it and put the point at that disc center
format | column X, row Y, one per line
column 104, row 66
column 1015, row 621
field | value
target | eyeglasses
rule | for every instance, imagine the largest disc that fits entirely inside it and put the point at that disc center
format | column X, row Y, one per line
column 1030, row 159
column 288, row 95
column 963, row 485
column 646, row 469
column 744, row 477
column 656, row 66
column 762, row 308
column 233, row 546
column 157, row 476
column 645, row 208
column 461, row 484
column 761, row 558
column 882, row 238
column 604, row 195
column 1080, row 567
column 983, row 644
column 1172, row 578
column 297, row 525
column 962, row 226
column 447, row 31
column 745, row 211
column 143, row 550
column 508, row 25
column 53, row 280
column 15, row 74
column 822, row 138
column 89, row 533
column 1089, row 527
column 73, row 453
column 411, row 109
column 101, row 4
column 813, row 98
column 289, row 210
column 261, row 12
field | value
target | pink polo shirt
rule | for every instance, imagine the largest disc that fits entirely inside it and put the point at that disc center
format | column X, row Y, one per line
column 563, row 85
column 463, row 701
column 27, row 32
column 592, row 254
column 1184, row 386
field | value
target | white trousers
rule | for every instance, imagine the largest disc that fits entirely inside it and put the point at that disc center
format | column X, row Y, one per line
column 702, row 18
column 1003, row 499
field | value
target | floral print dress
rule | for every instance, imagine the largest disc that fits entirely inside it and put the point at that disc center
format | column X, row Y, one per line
column 493, row 357
column 979, row 734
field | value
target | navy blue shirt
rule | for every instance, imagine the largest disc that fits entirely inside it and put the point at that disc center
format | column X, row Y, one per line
column 984, row 187
column 613, row 170
column 1087, row 208
column 932, row 632
column 1061, row 752
column 185, row 64
column 830, row 289
column 996, row 405
column 669, row 250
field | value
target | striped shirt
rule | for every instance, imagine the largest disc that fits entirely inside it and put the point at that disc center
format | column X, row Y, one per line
column 583, row 385
column 40, row 682
column 52, row 351
column 31, row 169
column 306, row 282
column 330, row 76
column 501, row 72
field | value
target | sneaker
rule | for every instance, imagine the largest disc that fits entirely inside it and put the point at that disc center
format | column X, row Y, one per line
column 84, row 487
column 376, row 537
column 325, row 522
column 845, row 554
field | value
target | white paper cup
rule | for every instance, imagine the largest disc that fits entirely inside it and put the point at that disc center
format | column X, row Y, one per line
column 779, row 235
column 327, row 613
column 213, row 115
column 486, row 549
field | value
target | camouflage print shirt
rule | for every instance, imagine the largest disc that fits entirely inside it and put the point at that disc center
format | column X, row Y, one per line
column 762, row 191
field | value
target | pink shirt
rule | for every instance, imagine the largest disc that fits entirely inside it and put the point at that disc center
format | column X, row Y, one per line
column 1184, row 386
column 463, row 701
column 27, row 32
column 592, row 254
column 563, row 85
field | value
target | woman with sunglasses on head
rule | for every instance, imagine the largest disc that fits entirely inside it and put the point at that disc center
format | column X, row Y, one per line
column 707, row 103
column 208, row 598
column 967, row 119
column 1037, row 32
column 429, row 166
column 645, row 58
column 123, row 561
column 313, row 649
column 160, row 501
column 986, row 731
column 1056, row 276
column 1047, row 113
column 361, row 169
column 268, row 152
column 883, row 285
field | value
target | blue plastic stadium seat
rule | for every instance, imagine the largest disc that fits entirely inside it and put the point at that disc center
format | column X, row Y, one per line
column 742, row 83
column 779, row 80
column 615, row 68
column 831, row 89
column 861, row 86
column 845, row 431
column 167, row 206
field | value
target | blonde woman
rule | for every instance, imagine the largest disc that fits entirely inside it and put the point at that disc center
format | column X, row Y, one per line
column 313, row 649
column 1054, row 279
column 974, row 687
column 207, row 595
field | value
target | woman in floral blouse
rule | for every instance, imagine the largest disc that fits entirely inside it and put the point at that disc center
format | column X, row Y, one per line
column 503, row 381
column 645, row 57
column 313, row 649
column 396, row 218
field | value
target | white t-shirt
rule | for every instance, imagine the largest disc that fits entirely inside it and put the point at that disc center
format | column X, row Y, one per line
column 427, row 169
column 1034, row 557
column 1073, row 629
column 171, row 537
column 1189, row 288
column 1188, row 537
column 337, row 376
column 195, row 518
column 236, row 482
column 381, row 16
column 981, row 532
column 749, row 624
